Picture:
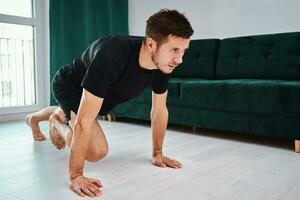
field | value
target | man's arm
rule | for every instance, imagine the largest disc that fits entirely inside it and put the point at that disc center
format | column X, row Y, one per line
column 87, row 113
column 159, row 121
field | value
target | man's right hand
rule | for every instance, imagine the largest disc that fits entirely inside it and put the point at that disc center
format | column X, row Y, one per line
column 86, row 186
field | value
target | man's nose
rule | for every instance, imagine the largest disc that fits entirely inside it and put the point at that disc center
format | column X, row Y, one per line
column 178, row 60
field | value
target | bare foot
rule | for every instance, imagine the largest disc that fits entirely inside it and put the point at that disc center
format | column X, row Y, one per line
column 33, row 124
column 56, row 139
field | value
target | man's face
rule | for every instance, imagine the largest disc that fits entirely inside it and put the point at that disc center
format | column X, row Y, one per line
column 169, row 54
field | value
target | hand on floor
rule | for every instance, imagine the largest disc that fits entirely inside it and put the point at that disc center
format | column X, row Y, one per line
column 86, row 186
column 163, row 161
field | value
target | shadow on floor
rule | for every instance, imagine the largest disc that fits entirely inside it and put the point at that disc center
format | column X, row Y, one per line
column 226, row 135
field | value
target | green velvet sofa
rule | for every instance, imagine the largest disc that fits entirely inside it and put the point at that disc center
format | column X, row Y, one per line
column 247, row 85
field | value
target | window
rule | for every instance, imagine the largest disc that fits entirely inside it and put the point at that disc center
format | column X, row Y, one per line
column 23, row 56
column 16, row 65
column 22, row 8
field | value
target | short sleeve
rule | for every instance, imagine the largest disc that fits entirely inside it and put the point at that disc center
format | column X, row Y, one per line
column 101, row 74
column 160, row 82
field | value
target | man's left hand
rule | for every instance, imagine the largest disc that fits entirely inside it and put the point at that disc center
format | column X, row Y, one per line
column 163, row 161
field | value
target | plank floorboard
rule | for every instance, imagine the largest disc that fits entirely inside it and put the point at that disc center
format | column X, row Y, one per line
column 217, row 165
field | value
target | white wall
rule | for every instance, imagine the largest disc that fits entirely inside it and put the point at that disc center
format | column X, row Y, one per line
column 222, row 18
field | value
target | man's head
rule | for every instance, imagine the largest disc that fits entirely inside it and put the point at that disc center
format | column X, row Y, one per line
column 168, row 35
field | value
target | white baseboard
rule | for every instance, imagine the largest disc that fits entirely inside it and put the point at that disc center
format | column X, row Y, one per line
column 13, row 117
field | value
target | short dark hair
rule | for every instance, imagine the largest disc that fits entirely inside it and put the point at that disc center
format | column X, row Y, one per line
column 168, row 22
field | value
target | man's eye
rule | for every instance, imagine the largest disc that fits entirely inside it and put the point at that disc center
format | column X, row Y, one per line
column 174, row 50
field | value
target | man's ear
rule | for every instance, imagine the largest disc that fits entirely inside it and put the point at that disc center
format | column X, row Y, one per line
column 151, row 44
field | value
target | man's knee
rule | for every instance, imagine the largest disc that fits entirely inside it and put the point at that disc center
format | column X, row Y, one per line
column 96, row 154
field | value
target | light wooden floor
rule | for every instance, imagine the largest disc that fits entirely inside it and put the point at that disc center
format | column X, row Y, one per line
column 216, row 166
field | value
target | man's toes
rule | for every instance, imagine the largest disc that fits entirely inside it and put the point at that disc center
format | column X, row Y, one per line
column 55, row 142
column 56, row 139
column 61, row 144
column 39, row 137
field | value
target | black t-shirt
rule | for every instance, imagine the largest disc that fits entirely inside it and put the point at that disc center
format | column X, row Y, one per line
column 109, row 68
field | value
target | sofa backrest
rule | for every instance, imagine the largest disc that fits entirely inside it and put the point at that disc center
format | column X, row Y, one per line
column 200, row 60
column 272, row 56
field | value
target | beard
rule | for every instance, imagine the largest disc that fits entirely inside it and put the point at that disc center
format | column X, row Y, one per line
column 154, row 58
column 156, row 62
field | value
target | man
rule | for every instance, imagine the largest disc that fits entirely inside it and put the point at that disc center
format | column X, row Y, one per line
column 112, row 70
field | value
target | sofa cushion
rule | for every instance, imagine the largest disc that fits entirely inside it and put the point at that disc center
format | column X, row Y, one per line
column 200, row 60
column 273, row 56
column 270, row 97
column 275, row 97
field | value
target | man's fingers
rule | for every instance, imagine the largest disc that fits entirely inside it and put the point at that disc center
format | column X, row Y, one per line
column 180, row 165
column 95, row 189
column 86, row 191
column 86, row 186
column 165, row 161
column 78, row 191
column 96, row 182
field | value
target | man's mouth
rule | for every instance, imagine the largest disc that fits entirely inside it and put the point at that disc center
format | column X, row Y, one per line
column 172, row 66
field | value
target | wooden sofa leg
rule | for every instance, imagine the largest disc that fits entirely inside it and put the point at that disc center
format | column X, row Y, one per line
column 194, row 128
column 109, row 118
column 297, row 146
